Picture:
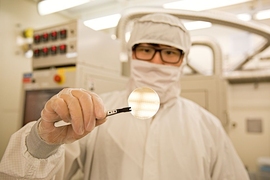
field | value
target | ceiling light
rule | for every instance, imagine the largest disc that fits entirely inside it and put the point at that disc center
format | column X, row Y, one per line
column 51, row 6
column 197, row 25
column 244, row 17
column 264, row 14
column 199, row 5
column 103, row 22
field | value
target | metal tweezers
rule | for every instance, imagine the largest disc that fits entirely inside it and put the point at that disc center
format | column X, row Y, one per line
column 109, row 113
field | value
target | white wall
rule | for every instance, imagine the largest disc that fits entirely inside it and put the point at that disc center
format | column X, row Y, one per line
column 250, row 101
column 15, row 16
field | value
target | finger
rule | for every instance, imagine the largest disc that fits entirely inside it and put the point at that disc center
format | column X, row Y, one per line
column 98, row 111
column 72, row 136
column 55, row 109
column 100, row 121
column 87, row 106
column 75, row 112
column 99, row 108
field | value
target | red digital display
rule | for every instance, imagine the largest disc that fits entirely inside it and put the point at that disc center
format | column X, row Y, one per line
column 53, row 50
column 63, row 48
column 37, row 39
column 53, row 35
column 36, row 52
column 45, row 37
column 63, row 33
column 45, row 51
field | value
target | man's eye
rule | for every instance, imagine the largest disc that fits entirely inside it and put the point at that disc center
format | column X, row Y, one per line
column 145, row 49
column 171, row 52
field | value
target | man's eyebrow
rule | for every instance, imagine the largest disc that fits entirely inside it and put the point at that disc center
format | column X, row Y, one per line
column 156, row 45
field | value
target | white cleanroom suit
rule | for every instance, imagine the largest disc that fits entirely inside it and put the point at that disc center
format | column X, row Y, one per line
column 182, row 141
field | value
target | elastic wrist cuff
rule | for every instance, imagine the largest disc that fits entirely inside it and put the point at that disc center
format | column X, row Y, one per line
column 38, row 147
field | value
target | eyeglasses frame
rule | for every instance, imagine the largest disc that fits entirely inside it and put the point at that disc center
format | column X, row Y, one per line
column 157, row 50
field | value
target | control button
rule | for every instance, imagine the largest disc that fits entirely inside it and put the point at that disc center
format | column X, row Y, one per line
column 63, row 33
column 53, row 50
column 45, row 37
column 57, row 78
column 37, row 39
column 45, row 51
column 63, row 48
column 53, row 35
column 36, row 52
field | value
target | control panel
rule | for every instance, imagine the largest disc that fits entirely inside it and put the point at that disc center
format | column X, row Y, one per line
column 50, row 78
column 55, row 46
column 53, row 49
column 74, row 43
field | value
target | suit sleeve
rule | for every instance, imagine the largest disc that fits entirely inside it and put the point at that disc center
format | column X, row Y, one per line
column 19, row 163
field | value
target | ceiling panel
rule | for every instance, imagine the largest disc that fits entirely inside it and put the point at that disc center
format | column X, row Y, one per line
column 98, row 8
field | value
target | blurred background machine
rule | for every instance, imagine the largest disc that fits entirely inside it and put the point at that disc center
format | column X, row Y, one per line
column 69, row 55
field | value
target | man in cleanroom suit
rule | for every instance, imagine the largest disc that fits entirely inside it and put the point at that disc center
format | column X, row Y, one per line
column 182, row 141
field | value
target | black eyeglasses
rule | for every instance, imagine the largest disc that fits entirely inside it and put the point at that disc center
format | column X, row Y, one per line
column 168, row 55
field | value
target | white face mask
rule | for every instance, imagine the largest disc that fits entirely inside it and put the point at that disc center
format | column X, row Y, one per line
column 164, row 79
